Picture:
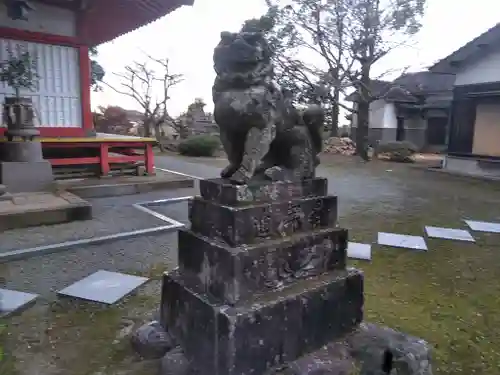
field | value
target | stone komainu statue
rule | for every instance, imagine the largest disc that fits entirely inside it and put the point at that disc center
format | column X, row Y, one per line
column 264, row 136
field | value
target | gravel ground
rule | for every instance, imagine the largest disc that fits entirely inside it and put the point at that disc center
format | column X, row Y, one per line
column 111, row 216
column 349, row 183
column 50, row 273
column 127, row 200
column 197, row 168
column 177, row 211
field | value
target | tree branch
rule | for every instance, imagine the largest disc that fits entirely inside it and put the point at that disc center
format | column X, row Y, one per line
column 149, row 87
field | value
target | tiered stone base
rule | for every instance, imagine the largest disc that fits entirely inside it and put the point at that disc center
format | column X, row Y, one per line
column 261, row 278
column 267, row 331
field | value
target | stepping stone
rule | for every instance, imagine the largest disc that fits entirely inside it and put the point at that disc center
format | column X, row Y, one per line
column 104, row 287
column 12, row 301
column 483, row 226
column 357, row 250
column 402, row 240
column 449, row 234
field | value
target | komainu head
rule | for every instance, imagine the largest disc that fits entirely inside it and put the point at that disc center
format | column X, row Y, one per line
column 241, row 52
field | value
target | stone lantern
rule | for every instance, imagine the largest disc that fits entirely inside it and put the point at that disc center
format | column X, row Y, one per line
column 22, row 167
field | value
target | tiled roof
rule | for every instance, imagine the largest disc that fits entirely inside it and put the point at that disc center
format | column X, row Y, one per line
column 425, row 82
column 476, row 48
column 376, row 86
column 405, row 87
column 105, row 20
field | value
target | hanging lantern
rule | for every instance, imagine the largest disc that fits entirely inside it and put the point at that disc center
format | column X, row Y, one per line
column 18, row 9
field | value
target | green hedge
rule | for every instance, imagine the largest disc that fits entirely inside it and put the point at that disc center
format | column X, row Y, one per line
column 200, row 145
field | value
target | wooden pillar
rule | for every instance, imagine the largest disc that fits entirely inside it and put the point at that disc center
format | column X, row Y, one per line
column 104, row 159
column 462, row 119
column 149, row 159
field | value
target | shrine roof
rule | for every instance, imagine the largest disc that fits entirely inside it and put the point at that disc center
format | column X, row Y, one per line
column 101, row 21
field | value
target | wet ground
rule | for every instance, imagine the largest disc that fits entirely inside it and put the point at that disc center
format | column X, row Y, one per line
column 448, row 295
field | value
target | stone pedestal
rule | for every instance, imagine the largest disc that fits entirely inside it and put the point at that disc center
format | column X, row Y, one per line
column 261, row 279
column 20, row 151
column 26, row 176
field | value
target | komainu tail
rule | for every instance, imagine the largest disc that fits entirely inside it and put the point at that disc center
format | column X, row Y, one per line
column 314, row 119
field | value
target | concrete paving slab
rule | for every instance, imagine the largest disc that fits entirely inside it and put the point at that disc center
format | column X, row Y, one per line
column 104, row 287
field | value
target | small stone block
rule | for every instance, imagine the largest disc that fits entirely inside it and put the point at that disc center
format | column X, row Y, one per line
column 402, row 240
column 274, row 328
column 331, row 359
column 371, row 349
column 483, row 226
column 12, row 301
column 151, row 341
column 370, row 343
column 230, row 274
column 223, row 192
column 20, row 200
column 6, row 197
column 104, row 287
column 249, row 224
column 359, row 251
column 449, row 234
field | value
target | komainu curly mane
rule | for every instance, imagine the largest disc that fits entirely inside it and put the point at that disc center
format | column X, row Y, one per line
column 263, row 135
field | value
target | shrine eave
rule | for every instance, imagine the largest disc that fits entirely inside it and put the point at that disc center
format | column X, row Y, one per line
column 101, row 21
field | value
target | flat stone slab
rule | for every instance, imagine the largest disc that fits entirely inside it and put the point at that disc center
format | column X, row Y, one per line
column 402, row 240
column 222, row 191
column 234, row 273
column 483, row 226
column 123, row 185
column 361, row 251
column 449, row 234
column 250, row 224
column 272, row 329
column 42, row 208
column 12, row 301
column 104, row 287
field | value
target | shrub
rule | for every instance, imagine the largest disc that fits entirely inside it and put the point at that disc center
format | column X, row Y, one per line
column 398, row 151
column 200, row 145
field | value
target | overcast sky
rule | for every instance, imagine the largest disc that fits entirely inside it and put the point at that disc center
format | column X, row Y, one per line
column 188, row 36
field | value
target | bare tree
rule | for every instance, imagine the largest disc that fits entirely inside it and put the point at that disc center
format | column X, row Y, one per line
column 149, row 83
column 346, row 38
column 373, row 29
